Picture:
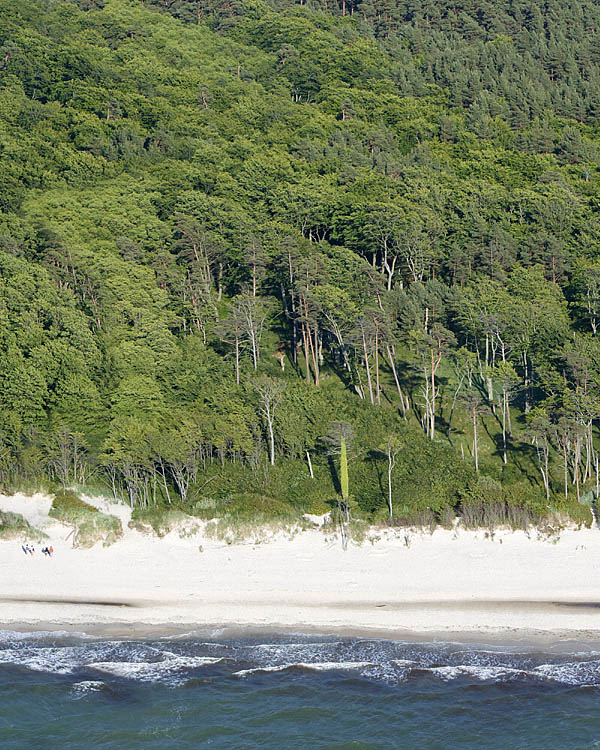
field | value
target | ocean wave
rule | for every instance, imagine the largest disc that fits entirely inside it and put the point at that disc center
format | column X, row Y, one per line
column 16, row 636
column 193, row 634
column 482, row 672
column 172, row 670
column 325, row 666
column 580, row 674
column 398, row 671
column 87, row 686
column 56, row 660
column 177, row 661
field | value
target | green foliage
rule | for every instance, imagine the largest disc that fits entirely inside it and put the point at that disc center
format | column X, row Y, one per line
column 14, row 526
column 387, row 215
column 577, row 513
column 67, row 506
column 256, row 507
column 89, row 524
column 161, row 521
column 344, row 471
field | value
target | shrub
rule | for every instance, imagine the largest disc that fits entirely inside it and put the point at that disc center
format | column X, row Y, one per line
column 161, row 521
column 14, row 526
column 89, row 524
column 67, row 507
column 254, row 506
column 577, row 513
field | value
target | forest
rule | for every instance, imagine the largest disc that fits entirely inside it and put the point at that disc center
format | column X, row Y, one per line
column 240, row 236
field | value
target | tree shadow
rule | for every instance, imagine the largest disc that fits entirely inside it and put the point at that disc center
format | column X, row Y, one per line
column 520, row 455
column 334, row 475
column 375, row 458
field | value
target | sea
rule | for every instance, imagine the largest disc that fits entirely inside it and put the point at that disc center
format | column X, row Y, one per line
column 215, row 689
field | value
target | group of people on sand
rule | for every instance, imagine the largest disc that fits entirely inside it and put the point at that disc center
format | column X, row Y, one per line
column 29, row 549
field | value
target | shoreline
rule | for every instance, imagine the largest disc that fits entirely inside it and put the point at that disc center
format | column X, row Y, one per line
column 519, row 639
column 450, row 583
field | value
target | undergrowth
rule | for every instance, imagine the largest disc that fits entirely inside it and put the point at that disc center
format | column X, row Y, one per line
column 89, row 524
column 14, row 526
column 161, row 521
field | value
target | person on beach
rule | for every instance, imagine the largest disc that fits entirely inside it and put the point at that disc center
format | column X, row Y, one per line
column 50, row 551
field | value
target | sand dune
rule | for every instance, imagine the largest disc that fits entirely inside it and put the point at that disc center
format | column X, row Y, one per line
column 454, row 581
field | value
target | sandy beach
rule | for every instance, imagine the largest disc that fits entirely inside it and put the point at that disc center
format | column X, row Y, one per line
column 451, row 581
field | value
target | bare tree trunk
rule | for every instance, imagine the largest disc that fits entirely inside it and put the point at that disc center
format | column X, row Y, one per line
column 475, row 446
column 306, row 355
column 546, row 474
column 566, row 469
column 271, row 439
column 369, row 381
column 313, row 354
column 254, row 349
column 426, row 417
column 390, row 468
column 162, row 471
column 395, row 373
column 542, row 456
column 504, row 456
column 432, row 413
column 310, row 468
column 576, row 466
column 270, row 392
column 377, row 388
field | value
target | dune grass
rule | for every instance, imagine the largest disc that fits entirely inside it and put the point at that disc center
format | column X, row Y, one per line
column 89, row 524
column 15, row 526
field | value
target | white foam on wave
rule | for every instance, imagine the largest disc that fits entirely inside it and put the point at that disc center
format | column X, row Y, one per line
column 403, row 662
column 326, row 666
column 87, row 686
column 174, row 664
column 215, row 633
column 321, row 666
column 259, row 670
column 126, row 659
column 277, row 647
column 583, row 673
column 391, row 672
column 56, row 660
column 15, row 636
column 479, row 672
column 168, row 669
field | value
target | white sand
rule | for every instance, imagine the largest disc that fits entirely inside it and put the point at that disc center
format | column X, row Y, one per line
column 449, row 581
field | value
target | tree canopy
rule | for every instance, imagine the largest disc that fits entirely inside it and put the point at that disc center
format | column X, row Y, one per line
column 225, row 227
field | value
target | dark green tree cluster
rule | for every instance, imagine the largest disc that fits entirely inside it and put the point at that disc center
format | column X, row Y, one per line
column 227, row 227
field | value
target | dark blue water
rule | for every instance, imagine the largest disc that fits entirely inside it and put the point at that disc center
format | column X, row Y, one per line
column 68, row 691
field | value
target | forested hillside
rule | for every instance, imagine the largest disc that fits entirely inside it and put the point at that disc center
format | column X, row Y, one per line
column 233, row 230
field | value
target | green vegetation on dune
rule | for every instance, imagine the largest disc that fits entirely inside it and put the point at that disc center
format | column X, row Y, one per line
column 88, row 523
column 161, row 521
column 14, row 526
column 227, row 228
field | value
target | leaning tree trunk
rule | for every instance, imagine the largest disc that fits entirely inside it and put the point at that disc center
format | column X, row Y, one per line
column 368, row 369
column 398, row 388
column 475, row 446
